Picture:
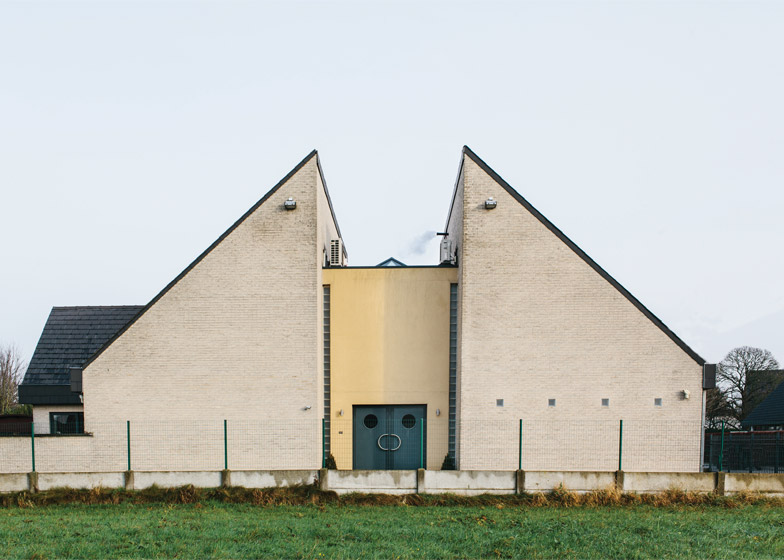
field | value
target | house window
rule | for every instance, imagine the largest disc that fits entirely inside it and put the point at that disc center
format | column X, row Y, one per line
column 550, row 402
column 657, row 402
column 66, row 422
column 605, row 402
column 499, row 402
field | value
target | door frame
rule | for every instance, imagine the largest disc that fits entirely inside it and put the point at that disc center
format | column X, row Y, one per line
column 389, row 413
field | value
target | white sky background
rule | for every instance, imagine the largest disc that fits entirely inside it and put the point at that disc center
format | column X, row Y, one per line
column 133, row 134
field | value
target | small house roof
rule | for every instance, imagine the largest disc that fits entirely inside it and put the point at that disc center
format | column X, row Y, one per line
column 769, row 412
column 391, row 261
column 70, row 337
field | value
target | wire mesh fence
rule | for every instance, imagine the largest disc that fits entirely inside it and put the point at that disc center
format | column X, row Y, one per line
column 404, row 441
column 732, row 451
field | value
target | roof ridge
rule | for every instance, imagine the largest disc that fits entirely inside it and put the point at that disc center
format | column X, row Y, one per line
column 582, row 254
column 207, row 251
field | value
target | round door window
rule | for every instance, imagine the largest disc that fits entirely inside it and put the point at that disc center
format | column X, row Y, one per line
column 371, row 421
column 409, row 421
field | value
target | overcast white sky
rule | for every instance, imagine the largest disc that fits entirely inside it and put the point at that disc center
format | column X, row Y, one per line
column 652, row 133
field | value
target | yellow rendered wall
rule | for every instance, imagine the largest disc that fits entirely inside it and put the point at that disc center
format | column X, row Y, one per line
column 389, row 346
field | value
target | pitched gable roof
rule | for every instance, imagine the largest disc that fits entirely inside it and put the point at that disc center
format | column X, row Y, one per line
column 770, row 412
column 70, row 337
column 217, row 242
column 467, row 152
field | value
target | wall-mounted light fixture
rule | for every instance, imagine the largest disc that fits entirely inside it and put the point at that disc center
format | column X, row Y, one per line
column 307, row 407
column 438, row 412
column 490, row 203
column 290, row 204
column 340, row 412
column 686, row 394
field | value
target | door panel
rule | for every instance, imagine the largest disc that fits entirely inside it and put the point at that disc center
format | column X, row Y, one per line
column 406, row 423
column 370, row 427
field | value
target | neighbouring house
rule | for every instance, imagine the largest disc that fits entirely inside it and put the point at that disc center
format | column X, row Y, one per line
column 515, row 349
column 769, row 414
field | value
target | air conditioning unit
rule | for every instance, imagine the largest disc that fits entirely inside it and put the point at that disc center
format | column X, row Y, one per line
column 446, row 251
column 336, row 253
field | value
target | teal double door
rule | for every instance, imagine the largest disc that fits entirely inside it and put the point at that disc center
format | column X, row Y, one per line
column 390, row 437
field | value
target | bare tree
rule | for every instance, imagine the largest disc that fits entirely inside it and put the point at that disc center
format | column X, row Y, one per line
column 717, row 409
column 739, row 391
column 11, row 371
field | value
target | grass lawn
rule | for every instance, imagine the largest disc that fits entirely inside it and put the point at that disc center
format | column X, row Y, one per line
column 221, row 530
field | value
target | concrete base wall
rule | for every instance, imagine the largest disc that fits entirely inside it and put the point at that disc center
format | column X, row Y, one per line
column 464, row 483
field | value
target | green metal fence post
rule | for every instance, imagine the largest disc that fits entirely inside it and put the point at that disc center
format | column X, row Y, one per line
column 721, row 449
column 32, row 443
column 620, row 448
column 128, row 439
column 323, row 443
column 520, row 448
column 422, row 443
column 225, row 446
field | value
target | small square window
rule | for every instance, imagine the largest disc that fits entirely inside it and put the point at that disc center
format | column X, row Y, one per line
column 499, row 402
column 550, row 402
column 605, row 402
column 657, row 402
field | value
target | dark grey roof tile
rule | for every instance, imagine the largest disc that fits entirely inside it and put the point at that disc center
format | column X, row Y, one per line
column 70, row 337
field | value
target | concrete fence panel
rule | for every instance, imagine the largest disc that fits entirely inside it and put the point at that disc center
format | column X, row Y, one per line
column 47, row 481
column 271, row 479
column 576, row 481
column 659, row 482
column 172, row 479
column 469, row 483
column 764, row 483
column 370, row 482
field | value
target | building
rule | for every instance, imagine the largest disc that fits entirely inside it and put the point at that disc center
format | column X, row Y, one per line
column 769, row 413
column 517, row 349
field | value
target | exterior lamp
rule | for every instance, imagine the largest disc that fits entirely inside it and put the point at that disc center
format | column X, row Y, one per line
column 290, row 204
column 490, row 203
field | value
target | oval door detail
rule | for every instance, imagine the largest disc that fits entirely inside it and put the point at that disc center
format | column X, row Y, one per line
column 382, row 448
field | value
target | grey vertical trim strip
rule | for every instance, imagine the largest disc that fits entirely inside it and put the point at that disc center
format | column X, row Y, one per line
column 452, row 438
column 327, row 372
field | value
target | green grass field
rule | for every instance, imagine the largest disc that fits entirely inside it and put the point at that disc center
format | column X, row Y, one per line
column 223, row 530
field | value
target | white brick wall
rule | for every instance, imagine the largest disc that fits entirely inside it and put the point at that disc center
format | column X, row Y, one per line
column 537, row 322
column 237, row 338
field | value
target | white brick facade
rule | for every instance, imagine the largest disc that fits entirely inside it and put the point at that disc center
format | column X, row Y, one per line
column 537, row 322
column 239, row 337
